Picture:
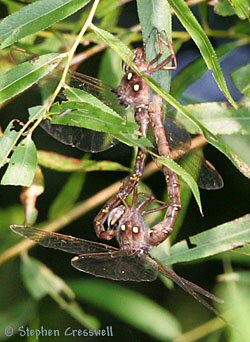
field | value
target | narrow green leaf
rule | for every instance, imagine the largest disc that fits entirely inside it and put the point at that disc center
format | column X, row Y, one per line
column 219, row 239
column 129, row 306
column 218, row 118
column 191, row 24
column 68, row 195
column 239, row 144
column 24, row 75
column 236, row 304
column 41, row 281
column 241, row 8
column 224, row 8
column 156, row 18
column 241, row 78
column 116, row 44
column 110, row 70
column 22, row 165
column 184, row 175
column 194, row 71
column 36, row 17
column 61, row 163
column 8, row 140
column 90, row 116
column 79, row 95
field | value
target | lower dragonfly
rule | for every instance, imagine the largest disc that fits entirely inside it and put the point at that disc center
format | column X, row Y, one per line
column 131, row 261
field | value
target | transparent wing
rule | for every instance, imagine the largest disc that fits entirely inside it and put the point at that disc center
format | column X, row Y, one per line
column 209, row 178
column 191, row 288
column 118, row 265
column 180, row 142
column 62, row 242
column 82, row 138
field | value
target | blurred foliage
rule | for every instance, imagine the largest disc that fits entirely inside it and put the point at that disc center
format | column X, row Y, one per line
column 61, row 30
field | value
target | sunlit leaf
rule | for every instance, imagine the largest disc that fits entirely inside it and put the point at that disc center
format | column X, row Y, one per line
column 8, row 140
column 24, row 75
column 241, row 8
column 129, row 306
column 89, row 116
column 193, row 27
column 216, row 240
column 224, row 8
column 58, row 162
column 36, row 17
column 184, row 175
column 156, row 19
column 22, row 164
column 218, row 118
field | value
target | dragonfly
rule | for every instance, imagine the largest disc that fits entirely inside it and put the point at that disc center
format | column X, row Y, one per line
column 133, row 91
column 131, row 261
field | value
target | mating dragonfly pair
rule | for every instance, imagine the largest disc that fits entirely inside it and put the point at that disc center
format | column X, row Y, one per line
column 131, row 261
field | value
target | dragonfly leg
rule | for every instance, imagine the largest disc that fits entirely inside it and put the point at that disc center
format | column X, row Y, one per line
column 127, row 187
column 164, row 64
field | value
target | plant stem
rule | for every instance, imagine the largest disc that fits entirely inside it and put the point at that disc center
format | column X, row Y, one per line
column 70, row 55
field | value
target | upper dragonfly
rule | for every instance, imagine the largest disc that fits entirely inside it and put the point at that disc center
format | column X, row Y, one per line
column 134, row 92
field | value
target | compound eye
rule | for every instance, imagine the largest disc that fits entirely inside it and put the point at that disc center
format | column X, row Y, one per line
column 136, row 87
column 135, row 230
column 130, row 76
column 123, row 227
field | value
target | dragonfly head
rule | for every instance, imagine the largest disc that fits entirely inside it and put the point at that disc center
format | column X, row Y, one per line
column 133, row 90
column 132, row 232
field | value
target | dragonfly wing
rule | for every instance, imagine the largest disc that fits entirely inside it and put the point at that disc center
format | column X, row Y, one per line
column 209, row 178
column 99, row 89
column 62, row 242
column 82, row 138
column 118, row 265
column 178, row 137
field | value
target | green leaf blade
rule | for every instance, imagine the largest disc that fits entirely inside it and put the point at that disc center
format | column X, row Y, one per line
column 22, row 165
column 191, row 24
column 184, row 175
column 216, row 240
column 24, row 75
column 36, row 17
column 129, row 306
column 90, row 116
column 241, row 79
column 7, row 141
